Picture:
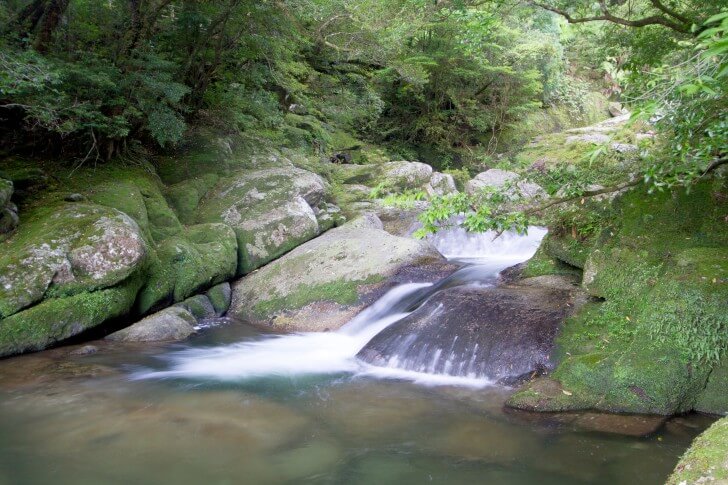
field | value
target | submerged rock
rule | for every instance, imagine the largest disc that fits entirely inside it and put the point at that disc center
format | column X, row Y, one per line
column 495, row 333
column 323, row 283
column 174, row 323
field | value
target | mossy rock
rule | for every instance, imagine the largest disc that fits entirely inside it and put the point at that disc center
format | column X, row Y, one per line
column 56, row 319
column 662, row 270
column 565, row 248
column 325, row 282
column 185, row 196
column 201, row 256
column 199, row 306
column 270, row 211
column 62, row 249
column 220, row 297
column 713, row 398
column 541, row 264
column 706, row 461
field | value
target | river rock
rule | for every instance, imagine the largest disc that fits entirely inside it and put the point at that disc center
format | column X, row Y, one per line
column 499, row 333
column 323, row 283
column 220, row 297
column 497, row 178
column 71, row 247
column 269, row 209
column 406, row 175
column 201, row 256
column 440, row 184
column 173, row 323
column 199, row 306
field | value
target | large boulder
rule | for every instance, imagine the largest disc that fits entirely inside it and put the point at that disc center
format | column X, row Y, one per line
column 174, row 323
column 66, row 249
column 269, row 209
column 404, row 175
column 497, row 178
column 500, row 333
column 323, row 283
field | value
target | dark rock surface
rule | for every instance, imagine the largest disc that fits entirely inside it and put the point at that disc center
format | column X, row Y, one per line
column 498, row 333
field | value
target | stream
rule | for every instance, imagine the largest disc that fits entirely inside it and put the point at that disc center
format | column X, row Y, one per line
column 234, row 404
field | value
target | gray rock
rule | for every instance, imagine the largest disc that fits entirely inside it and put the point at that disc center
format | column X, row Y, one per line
column 199, row 306
column 74, row 198
column 85, row 350
column 323, row 283
column 173, row 323
column 615, row 109
column 593, row 138
column 498, row 333
column 441, row 184
column 406, row 175
column 220, row 297
column 270, row 211
column 623, row 147
column 499, row 178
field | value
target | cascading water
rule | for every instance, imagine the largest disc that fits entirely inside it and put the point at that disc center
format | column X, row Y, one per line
column 335, row 352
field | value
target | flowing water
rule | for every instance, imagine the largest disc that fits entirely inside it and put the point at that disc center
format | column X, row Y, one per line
column 234, row 405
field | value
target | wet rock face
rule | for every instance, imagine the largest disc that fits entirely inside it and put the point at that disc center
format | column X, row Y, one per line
column 323, row 283
column 496, row 333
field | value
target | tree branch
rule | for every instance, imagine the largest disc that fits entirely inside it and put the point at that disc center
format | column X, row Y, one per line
column 608, row 17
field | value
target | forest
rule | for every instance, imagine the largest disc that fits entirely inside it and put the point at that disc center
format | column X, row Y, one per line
column 266, row 223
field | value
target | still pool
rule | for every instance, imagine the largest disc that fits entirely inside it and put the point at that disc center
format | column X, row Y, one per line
column 88, row 419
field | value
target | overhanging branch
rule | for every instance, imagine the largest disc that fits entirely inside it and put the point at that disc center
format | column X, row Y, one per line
column 682, row 26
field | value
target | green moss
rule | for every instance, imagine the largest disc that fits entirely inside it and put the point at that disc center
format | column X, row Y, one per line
column 542, row 264
column 199, row 257
column 56, row 319
column 663, row 272
column 565, row 248
column 713, row 398
column 342, row 292
column 185, row 196
column 706, row 461
column 220, row 296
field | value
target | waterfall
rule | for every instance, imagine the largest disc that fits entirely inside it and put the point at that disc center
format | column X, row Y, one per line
column 336, row 352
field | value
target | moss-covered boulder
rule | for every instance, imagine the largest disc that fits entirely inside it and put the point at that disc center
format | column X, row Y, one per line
column 270, row 211
column 56, row 319
column 64, row 249
column 323, row 283
column 201, row 256
column 655, row 338
column 706, row 461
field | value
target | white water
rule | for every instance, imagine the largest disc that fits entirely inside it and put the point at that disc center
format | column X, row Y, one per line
column 323, row 353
